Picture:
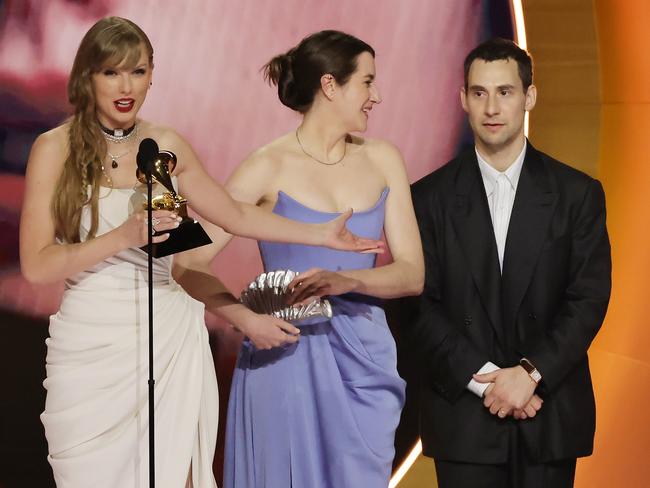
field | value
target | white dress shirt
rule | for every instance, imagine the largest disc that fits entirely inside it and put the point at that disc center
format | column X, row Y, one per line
column 500, row 189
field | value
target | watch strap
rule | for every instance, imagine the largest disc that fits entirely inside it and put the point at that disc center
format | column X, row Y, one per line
column 530, row 368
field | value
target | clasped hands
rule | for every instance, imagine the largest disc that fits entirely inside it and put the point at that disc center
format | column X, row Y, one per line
column 511, row 392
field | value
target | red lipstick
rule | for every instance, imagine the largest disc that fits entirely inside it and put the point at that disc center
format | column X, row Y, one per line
column 124, row 104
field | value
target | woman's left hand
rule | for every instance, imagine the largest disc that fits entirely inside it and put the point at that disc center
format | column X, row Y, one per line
column 338, row 236
column 316, row 282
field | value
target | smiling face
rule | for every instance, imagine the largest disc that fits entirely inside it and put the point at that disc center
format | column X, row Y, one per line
column 496, row 103
column 359, row 94
column 120, row 91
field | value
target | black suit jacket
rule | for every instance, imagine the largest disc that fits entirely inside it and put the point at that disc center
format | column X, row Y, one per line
column 547, row 305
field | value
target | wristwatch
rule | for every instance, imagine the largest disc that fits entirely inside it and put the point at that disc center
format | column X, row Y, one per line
column 530, row 368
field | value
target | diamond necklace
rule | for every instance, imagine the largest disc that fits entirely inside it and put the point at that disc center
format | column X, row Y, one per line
column 114, row 158
column 119, row 136
column 316, row 159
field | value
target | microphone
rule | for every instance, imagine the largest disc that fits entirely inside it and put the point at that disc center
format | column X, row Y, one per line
column 147, row 152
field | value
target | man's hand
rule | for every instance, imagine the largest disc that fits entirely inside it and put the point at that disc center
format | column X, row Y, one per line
column 530, row 410
column 512, row 390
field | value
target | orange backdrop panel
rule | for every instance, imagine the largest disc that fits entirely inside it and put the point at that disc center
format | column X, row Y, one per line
column 620, row 355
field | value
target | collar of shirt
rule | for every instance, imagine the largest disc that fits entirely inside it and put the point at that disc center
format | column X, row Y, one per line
column 490, row 175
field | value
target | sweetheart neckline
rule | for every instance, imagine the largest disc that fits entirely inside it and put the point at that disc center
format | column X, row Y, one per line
column 379, row 201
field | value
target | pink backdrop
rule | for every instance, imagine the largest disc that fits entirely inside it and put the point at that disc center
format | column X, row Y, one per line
column 208, row 86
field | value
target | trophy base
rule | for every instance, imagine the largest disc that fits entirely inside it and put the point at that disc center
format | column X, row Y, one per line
column 188, row 235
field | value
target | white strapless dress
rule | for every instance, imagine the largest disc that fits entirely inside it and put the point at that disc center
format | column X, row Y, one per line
column 96, row 411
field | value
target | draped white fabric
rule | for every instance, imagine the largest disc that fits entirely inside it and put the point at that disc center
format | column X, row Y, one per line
column 96, row 412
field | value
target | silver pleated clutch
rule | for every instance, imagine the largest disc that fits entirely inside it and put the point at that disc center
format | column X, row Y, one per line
column 267, row 294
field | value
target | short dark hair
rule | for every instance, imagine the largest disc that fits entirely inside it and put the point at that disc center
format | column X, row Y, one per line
column 297, row 72
column 498, row 48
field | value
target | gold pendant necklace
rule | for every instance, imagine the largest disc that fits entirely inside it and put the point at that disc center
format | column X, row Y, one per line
column 318, row 160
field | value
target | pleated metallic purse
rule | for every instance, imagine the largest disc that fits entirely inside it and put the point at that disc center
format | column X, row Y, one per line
column 267, row 294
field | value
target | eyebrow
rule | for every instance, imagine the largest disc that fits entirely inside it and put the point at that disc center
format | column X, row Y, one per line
column 370, row 77
column 482, row 88
column 121, row 67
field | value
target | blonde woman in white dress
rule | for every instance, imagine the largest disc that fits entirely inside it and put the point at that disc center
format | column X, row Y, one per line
column 82, row 222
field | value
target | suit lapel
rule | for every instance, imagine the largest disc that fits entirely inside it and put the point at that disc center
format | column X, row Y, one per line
column 473, row 226
column 533, row 208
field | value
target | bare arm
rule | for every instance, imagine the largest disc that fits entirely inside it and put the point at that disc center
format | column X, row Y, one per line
column 210, row 200
column 192, row 271
column 247, row 184
column 405, row 275
column 42, row 259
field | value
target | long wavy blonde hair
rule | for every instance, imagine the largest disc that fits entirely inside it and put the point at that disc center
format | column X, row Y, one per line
column 112, row 41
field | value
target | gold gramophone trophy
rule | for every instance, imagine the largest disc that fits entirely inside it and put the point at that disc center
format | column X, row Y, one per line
column 189, row 234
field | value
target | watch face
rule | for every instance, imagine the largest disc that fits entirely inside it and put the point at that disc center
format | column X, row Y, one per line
column 536, row 376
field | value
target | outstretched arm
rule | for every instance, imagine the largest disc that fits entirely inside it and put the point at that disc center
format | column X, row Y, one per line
column 210, row 200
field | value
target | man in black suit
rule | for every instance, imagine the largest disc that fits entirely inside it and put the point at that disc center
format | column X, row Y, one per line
column 517, row 285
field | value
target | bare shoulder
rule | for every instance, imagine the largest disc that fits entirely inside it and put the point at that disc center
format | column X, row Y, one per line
column 384, row 155
column 268, row 159
column 50, row 150
column 376, row 149
column 54, row 139
column 166, row 137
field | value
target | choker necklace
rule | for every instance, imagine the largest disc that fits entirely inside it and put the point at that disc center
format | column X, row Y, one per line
column 316, row 159
column 119, row 135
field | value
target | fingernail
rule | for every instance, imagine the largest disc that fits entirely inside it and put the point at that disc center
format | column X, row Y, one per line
column 176, row 224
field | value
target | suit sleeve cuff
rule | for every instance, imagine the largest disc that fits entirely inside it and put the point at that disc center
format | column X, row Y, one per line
column 479, row 388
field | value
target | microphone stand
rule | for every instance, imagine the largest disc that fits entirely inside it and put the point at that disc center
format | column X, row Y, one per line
column 151, row 382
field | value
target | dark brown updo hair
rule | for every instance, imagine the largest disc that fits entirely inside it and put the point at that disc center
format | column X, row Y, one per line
column 297, row 72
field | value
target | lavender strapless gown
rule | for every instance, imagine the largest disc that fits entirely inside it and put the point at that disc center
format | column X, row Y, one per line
column 322, row 412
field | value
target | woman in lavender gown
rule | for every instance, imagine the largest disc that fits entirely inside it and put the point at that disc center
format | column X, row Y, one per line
column 322, row 411
column 82, row 222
